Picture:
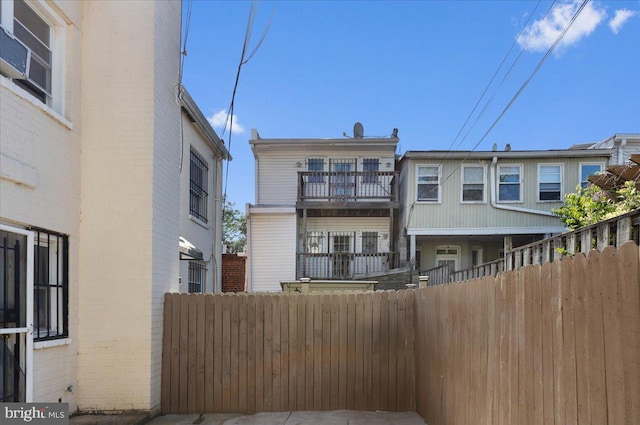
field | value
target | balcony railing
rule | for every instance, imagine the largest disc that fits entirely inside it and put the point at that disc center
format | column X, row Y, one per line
column 346, row 186
column 343, row 265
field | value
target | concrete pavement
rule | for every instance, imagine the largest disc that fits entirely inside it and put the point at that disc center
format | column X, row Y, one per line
column 337, row 417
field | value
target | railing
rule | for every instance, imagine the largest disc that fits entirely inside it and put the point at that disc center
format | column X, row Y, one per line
column 343, row 265
column 490, row 268
column 437, row 275
column 613, row 232
column 346, row 186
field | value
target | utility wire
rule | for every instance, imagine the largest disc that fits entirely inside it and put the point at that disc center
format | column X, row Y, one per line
column 522, row 87
column 243, row 61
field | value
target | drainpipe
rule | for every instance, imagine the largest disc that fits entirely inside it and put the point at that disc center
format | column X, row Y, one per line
column 495, row 205
column 623, row 143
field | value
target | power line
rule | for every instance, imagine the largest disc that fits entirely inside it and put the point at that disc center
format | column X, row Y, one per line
column 522, row 87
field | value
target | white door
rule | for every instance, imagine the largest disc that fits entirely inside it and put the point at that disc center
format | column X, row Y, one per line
column 16, row 314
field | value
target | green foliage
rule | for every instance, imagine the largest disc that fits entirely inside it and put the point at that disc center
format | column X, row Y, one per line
column 592, row 205
column 234, row 227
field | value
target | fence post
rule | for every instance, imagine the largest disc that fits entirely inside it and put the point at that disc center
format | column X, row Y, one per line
column 424, row 281
column 603, row 236
column 508, row 245
column 623, row 231
column 304, row 285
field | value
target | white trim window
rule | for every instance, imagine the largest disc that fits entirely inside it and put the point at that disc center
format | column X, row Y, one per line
column 550, row 182
column 37, row 27
column 473, row 184
column 510, row 183
column 589, row 169
column 428, row 183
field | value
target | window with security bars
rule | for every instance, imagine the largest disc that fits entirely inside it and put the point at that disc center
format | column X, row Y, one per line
column 316, row 167
column 370, row 167
column 199, row 177
column 51, row 286
column 197, row 276
column 369, row 242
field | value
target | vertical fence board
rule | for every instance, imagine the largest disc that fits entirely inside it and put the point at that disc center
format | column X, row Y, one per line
column 200, row 354
column 629, row 287
column 284, row 351
column 536, row 344
column 526, row 372
column 191, row 352
column 557, row 341
column 226, row 353
column 259, row 347
column 491, row 342
column 366, row 361
column 184, row 354
column 275, row 380
column 384, row 351
column 597, row 396
column 375, row 351
column 568, row 282
column 209, row 332
column 410, row 369
column 326, row 352
column 302, row 349
column 547, row 344
column 217, row 353
column 251, row 353
column 401, row 346
column 335, row 351
column 317, row 352
column 242, row 353
column 234, row 352
column 358, row 363
column 583, row 347
column 294, row 360
column 614, row 378
column 309, row 383
column 351, row 351
column 391, row 348
column 267, row 380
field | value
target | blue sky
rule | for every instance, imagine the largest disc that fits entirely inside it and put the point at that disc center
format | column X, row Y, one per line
column 419, row 66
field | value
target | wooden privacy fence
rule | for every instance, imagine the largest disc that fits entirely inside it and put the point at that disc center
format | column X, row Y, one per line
column 557, row 343
column 280, row 352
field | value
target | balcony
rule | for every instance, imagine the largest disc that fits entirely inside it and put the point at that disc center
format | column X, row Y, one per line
column 370, row 187
column 343, row 265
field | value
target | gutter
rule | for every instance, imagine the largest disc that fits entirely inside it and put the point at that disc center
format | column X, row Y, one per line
column 495, row 205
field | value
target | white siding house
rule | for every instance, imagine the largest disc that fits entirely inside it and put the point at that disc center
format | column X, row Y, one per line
column 94, row 151
column 324, row 209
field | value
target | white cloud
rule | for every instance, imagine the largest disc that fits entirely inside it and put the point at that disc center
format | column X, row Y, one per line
column 541, row 35
column 221, row 117
column 621, row 18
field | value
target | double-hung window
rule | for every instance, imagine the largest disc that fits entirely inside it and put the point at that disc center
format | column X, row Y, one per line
column 370, row 167
column 199, row 177
column 549, row 182
column 510, row 183
column 589, row 169
column 51, row 286
column 428, row 184
column 315, row 242
column 34, row 36
column 315, row 166
column 473, row 183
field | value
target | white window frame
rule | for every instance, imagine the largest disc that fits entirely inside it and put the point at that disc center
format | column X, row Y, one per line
column 520, row 183
column 439, row 183
column 538, row 187
column 484, row 183
column 583, row 164
column 56, row 100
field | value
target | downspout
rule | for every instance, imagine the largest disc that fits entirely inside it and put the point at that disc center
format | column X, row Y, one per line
column 495, row 205
column 623, row 143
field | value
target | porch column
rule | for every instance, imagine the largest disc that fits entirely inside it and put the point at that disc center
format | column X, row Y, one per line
column 392, row 242
column 412, row 247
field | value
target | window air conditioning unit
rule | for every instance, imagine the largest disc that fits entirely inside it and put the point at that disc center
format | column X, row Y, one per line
column 14, row 56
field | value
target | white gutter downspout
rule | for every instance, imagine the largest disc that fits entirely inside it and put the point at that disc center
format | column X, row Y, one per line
column 495, row 205
column 623, row 143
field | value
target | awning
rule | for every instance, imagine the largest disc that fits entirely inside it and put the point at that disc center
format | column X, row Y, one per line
column 188, row 251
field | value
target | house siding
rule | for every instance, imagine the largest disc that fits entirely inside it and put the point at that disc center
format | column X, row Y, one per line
column 452, row 213
column 271, row 250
